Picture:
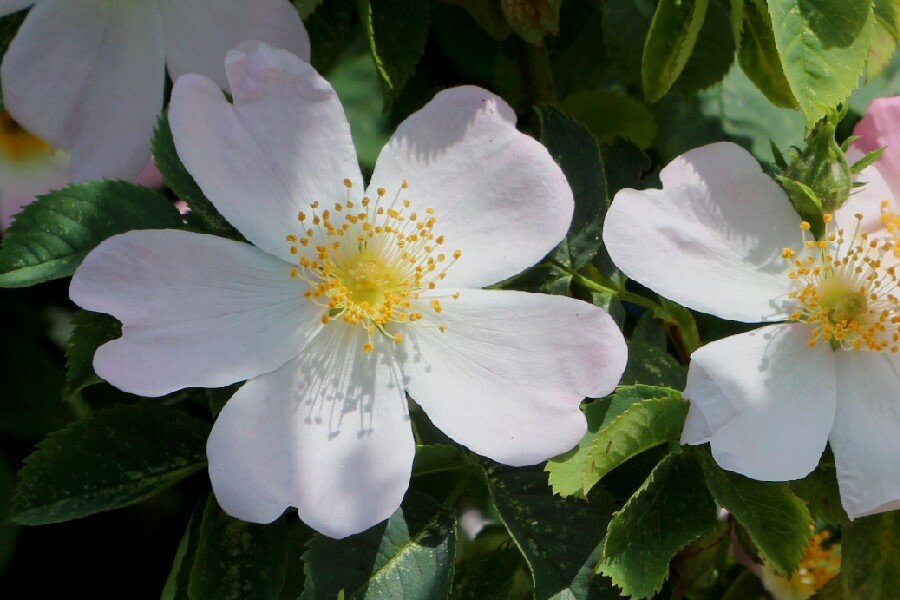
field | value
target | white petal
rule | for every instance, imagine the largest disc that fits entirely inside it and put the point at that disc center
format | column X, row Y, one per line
column 22, row 181
column 866, row 434
column 200, row 32
column 712, row 238
column 88, row 76
column 867, row 200
column 328, row 433
column 507, row 376
column 497, row 193
column 764, row 401
column 197, row 310
column 11, row 6
column 283, row 144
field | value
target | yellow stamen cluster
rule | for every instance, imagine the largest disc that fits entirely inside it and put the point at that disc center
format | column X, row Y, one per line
column 820, row 564
column 367, row 262
column 16, row 143
column 842, row 287
column 892, row 225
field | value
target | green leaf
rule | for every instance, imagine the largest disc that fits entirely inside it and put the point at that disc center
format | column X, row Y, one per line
column 438, row 458
column 108, row 460
column 673, row 33
column 745, row 586
column 695, row 566
column 713, row 53
column 625, row 27
column 575, row 150
column 330, row 28
column 410, row 556
column 179, row 579
column 31, row 402
column 820, row 491
column 354, row 79
column 823, row 45
column 870, row 557
column 397, row 32
column 654, row 420
column 559, row 537
column 652, row 365
column 612, row 114
column 491, row 568
column 182, row 183
column 9, row 532
column 750, row 119
column 777, row 520
column 306, row 7
column 669, row 511
column 235, row 560
column 680, row 317
column 887, row 12
column 649, row 331
column 886, row 83
column 488, row 15
column 567, row 471
column 885, row 38
column 757, row 53
column 532, row 20
column 52, row 235
column 90, row 331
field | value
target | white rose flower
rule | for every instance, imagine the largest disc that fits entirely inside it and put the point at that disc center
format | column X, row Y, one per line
column 28, row 167
column 352, row 297
column 88, row 76
column 721, row 237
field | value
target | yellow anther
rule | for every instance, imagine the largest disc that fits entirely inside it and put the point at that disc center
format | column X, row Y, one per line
column 368, row 347
column 348, row 184
column 368, row 267
column 842, row 290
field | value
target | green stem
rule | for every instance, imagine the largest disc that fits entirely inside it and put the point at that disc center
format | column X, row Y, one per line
column 622, row 295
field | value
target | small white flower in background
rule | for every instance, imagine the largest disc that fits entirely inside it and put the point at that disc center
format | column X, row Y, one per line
column 28, row 167
column 88, row 76
column 352, row 296
column 721, row 237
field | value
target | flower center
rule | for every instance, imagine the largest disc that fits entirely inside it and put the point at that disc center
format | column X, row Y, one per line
column 16, row 143
column 842, row 288
column 892, row 225
column 368, row 263
column 820, row 563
